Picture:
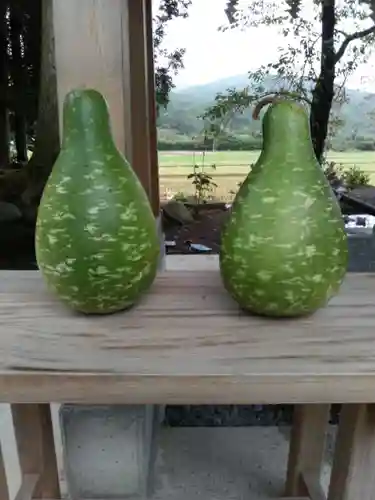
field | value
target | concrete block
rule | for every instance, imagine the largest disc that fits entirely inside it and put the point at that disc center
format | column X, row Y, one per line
column 109, row 451
column 361, row 252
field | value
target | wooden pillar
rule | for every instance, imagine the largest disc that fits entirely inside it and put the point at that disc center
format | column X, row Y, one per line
column 104, row 44
column 306, row 451
column 353, row 466
column 36, row 451
column 4, row 490
column 110, row 50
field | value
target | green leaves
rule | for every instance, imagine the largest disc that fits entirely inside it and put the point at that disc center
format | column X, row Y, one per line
column 167, row 63
column 294, row 7
column 298, row 63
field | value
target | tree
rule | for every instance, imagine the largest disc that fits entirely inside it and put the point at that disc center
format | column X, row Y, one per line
column 47, row 138
column 315, row 71
column 19, row 77
column 4, row 125
column 167, row 63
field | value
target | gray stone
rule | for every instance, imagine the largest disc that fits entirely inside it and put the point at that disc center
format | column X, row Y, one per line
column 361, row 251
column 109, row 451
column 9, row 212
column 178, row 211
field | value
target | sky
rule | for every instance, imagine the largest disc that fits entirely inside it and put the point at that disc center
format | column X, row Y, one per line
column 211, row 55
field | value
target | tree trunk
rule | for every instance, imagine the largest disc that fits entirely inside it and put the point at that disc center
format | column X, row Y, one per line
column 4, row 123
column 19, row 78
column 323, row 93
column 47, row 142
column 20, row 135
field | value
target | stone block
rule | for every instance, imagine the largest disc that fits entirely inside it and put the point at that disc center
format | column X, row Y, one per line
column 109, row 451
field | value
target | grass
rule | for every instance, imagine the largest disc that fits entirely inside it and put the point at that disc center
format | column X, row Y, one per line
column 233, row 166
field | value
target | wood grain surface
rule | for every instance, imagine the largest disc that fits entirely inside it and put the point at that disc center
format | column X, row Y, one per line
column 186, row 342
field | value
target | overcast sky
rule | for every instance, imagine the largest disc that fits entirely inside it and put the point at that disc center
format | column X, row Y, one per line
column 211, row 55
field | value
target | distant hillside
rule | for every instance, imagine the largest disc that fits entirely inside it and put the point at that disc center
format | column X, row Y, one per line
column 179, row 121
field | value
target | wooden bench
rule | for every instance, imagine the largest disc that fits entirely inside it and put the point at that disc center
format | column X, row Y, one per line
column 187, row 342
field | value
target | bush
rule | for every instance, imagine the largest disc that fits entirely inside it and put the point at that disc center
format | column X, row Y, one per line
column 355, row 177
column 351, row 178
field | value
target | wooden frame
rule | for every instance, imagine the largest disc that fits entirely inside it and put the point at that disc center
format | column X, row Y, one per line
column 192, row 345
column 36, row 452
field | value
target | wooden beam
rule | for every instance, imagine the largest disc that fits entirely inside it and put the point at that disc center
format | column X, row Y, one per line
column 4, row 491
column 313, row 486
column 28, row 485
column 306, row 448
column 353, row 466
column 108, row 49
column 36, row 450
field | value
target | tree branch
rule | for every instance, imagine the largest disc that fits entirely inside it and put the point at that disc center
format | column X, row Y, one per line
column 231, row 10
column 350, row 38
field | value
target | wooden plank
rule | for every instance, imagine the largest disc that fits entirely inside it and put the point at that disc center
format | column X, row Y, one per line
column 186, row 342
column 353, row 467
column 313, row 486
column 306, row 449
column 27, row 488
column 4, row 491
column 36, row 450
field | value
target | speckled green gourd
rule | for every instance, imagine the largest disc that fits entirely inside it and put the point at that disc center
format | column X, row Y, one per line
column 284, row 247
column 96, row 238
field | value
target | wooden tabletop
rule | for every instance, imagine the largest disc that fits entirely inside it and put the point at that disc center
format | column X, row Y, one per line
column 186, row 342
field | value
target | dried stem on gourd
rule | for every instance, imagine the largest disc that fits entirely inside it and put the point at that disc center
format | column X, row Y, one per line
column 276, row 97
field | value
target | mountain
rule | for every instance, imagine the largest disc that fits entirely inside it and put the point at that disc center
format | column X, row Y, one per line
column 179, row 121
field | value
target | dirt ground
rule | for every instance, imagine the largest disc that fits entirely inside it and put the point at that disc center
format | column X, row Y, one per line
column 205, row 230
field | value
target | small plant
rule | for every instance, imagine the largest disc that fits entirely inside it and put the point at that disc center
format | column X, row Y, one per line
column 355, row 177
column 350, row 178
column 334, row 172
column 202, row 181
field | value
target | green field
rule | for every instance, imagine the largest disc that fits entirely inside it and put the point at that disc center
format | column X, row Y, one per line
column 232, row 167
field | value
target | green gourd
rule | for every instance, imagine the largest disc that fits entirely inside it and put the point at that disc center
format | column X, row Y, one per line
column 96, row 239
column 284, row 249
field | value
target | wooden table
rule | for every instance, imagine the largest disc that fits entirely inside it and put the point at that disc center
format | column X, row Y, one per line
column 187, row 343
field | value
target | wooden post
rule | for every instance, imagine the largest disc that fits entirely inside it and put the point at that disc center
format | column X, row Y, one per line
column 306, row 448
column 4, row 490
column 36, row 450
column 108, row 47
column 354, row 458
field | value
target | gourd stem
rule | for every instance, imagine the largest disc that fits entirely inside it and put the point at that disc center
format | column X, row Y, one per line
column 263, row 102
column 272, row 98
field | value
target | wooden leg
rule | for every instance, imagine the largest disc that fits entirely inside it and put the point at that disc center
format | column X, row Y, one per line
column 36, row 450
column 306, row 450
column 4, row 491
column 354, row 458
